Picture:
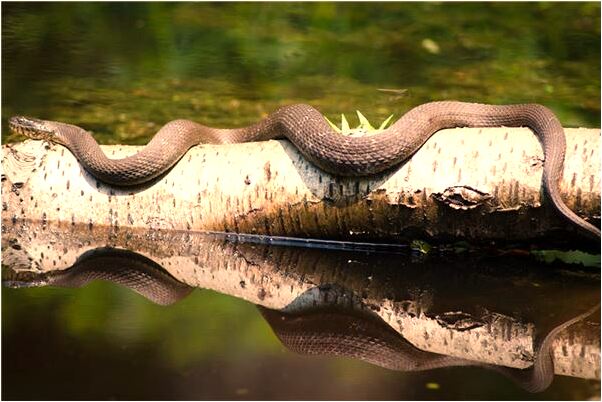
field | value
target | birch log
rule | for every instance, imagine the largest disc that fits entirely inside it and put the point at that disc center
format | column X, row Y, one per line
column 473, row 184
column 457, row 307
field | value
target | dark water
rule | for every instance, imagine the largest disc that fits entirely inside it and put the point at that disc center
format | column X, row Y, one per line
column 124, row 69
column 104, row 341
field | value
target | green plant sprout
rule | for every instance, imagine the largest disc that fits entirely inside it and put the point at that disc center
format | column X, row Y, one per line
column 363, row 128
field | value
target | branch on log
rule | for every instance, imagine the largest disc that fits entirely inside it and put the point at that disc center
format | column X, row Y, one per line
column 474, row 184
column 457, row 308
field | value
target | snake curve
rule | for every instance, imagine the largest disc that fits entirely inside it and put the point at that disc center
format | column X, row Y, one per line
column 308, row 130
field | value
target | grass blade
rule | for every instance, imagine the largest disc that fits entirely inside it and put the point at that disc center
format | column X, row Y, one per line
column 384, row 123
column 334, row 127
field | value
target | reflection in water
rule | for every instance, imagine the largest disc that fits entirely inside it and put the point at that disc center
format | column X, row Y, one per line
column 326, row 318
column 122, row 267
column 364, row 337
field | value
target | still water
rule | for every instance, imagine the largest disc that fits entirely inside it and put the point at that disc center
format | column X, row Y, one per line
column 289, row 321
column 124, row 69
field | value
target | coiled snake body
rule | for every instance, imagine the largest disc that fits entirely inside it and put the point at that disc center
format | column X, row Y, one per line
column 307, row 129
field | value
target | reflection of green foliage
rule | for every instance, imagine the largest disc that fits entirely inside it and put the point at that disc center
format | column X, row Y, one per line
column 568, row 257
column 200, row 326
column 421, row 246
column 123, row 69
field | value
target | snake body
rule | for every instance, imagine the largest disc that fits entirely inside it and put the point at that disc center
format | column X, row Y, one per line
column 308, row 130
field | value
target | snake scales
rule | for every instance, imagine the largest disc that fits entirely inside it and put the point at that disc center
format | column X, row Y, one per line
column 307, row 129
column 315, row 330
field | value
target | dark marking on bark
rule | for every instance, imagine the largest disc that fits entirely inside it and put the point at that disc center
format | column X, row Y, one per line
column 267, row 171
column 515, row 192
column 247, row 180
column 573, row 180
column 281, row 220
column 261, row 294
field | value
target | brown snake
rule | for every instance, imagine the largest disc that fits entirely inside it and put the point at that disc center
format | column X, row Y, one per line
column 322, row 330
column 307, row 129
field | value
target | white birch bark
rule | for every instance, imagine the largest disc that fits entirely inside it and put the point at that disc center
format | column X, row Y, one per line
column 475, row 184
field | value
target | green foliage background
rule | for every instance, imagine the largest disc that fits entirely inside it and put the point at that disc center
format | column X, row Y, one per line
column 124, row 69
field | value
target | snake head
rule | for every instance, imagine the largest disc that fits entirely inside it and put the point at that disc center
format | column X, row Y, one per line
column 30, row 127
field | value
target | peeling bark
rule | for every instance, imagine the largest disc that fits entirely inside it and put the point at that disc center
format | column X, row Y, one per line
column 474, row 184
column 458, row 307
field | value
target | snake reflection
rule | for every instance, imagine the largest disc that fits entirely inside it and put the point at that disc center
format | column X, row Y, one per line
column 331, row 330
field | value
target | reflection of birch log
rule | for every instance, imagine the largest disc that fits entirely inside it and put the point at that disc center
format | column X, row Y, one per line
column 489, row 312
column 478, row 184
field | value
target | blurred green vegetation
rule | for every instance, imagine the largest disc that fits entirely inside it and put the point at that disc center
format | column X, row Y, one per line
column 189, row 331
column 124, row 69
